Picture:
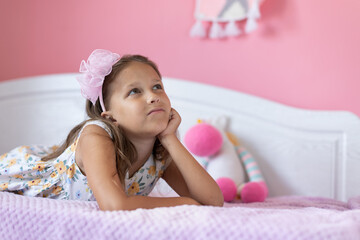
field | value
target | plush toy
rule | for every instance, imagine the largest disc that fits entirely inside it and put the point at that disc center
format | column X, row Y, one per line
column 225, row 161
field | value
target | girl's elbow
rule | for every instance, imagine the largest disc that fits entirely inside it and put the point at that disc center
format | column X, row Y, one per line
column 216, row 201
column 219, row 202
column 114, row 206
column 111, row 207
column 219, row 199
column 119, row 207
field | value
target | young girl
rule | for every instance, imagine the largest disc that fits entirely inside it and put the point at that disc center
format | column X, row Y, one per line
column 119, row 153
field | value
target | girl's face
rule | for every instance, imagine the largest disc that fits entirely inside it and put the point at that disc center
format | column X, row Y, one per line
column 138, row 102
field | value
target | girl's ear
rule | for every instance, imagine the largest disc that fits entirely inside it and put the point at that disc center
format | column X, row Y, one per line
column 108, row 115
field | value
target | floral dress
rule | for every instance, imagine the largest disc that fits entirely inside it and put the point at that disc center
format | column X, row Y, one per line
column 23, row 172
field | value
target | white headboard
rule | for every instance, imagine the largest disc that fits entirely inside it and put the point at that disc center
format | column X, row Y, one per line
column 300, row 152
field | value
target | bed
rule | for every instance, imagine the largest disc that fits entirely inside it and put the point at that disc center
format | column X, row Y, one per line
column 309, row 159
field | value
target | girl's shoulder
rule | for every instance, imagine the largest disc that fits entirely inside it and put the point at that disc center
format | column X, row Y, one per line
column 94, row 146
column 96, row 123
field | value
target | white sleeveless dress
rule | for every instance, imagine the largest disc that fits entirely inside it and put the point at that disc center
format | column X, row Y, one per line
column 23, row 172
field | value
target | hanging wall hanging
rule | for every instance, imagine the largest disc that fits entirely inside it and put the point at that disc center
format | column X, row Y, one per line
column 225, row 11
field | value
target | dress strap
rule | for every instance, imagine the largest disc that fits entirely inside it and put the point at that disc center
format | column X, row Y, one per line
column 98, row 123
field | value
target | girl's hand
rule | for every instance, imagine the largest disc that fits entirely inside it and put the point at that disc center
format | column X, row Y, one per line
column 174, row 122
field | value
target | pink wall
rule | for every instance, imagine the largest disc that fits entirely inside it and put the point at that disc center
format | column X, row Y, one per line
column 304, row 54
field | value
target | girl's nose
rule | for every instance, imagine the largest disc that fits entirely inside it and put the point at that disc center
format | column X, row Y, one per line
column 153, row 98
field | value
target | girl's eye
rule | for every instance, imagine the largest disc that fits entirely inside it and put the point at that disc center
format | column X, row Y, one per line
column 134, row 91
column 157, row 86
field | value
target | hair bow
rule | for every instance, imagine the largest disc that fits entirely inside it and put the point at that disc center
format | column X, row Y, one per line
column 94, row 70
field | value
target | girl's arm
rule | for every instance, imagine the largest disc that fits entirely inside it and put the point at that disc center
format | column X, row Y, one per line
column 184, row 174
column 95, row 152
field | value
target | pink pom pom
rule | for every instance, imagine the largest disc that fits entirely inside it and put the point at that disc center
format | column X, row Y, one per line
column 254, row 192
column 203, row 140
column 228, row 188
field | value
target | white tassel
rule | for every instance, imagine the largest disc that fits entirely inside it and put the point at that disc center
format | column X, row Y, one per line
column 251, row 25
column 253, row 14
column 216, row 31
column 198, row 30
column 254, row 11
column 232, row 30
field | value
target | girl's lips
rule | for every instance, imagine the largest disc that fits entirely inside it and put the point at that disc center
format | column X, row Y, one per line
column 156, row 110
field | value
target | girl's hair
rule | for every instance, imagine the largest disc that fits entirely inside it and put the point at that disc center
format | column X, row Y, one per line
column 125, row 151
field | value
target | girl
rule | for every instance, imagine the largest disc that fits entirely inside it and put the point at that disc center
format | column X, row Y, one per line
column 119, row 153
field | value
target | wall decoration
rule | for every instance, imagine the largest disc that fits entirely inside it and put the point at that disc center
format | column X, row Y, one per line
column 225, row 11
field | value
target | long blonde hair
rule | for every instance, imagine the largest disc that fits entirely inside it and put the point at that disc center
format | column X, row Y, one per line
column 125, row 151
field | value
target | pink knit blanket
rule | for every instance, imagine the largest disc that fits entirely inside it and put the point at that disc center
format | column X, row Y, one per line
column 277, row 218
